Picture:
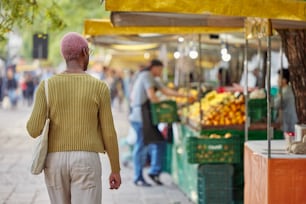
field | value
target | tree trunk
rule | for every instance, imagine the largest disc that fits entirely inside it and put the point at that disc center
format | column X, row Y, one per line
column 294, row 44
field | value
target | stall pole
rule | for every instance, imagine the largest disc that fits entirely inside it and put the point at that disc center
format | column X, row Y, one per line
column 268, row 84
column 201, row 72
column 281, row 73
column 260, row 65
column 246, row 95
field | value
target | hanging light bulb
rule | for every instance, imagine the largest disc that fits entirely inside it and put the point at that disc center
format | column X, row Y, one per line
column 223, row 51
column 226, row 57
column 224, row 48
column 193, row 54
column 181, row 39
column 146, row 55
column 177, row 54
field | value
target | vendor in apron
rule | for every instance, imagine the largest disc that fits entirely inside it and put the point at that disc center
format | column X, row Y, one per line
column 149, row 139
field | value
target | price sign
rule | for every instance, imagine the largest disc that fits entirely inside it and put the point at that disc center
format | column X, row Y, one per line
column 257, row 28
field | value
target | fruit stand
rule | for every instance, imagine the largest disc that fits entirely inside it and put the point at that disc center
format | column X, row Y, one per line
column 209, row 146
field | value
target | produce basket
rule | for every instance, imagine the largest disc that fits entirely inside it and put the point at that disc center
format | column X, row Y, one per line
column 222, row 149
column 257, row 110
column 164, row 112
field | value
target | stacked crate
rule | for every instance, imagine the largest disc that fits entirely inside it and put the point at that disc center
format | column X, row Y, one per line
column 184, row 174
column 216, row 154
column 215, row 185
column 214, row 150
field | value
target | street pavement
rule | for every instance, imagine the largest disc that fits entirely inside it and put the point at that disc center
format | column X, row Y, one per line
column 19, row 186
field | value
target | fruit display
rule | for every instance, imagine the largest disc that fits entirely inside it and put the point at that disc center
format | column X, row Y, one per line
column 192, row 93
column 213, row 148
column 217, row 109
column 258, row 94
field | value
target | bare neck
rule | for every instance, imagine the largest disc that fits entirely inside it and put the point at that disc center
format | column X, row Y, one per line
column 74, row 67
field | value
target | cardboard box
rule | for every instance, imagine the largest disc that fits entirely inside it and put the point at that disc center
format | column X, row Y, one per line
column 300, row 131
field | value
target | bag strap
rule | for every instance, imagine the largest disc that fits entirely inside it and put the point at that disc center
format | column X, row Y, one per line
column 47, row 96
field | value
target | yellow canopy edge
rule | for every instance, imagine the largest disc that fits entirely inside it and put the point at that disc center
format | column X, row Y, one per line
column 96, row 27
column 274, row 9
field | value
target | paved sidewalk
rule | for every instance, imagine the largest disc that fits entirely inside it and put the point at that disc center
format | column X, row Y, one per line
column 18, row 186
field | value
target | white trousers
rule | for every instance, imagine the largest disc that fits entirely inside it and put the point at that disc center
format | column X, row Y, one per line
column 74, row 177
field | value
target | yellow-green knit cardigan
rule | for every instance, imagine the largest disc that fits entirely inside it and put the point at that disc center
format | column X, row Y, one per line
column 80, row 114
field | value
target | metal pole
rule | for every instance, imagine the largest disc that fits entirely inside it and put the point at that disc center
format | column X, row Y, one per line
column 260, row 65
column 246, row 95
column 281, row 118
column 201, row 78
column 268, row 80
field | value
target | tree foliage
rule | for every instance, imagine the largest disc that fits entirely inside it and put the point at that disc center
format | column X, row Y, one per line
column 53, row 17
column 18, row 13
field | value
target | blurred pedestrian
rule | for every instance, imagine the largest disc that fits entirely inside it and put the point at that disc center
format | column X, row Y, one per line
column 149, row 139
column 285, row 104
column 12, row 88
column 117, row 89
column 2, row 76
column 223, row 80
column 23, row 88
column 30, row 88
column 81, row 127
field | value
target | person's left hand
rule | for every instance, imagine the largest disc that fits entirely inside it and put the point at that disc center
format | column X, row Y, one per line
column 114, row 180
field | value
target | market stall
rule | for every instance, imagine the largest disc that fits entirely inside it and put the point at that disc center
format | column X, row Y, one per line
column 207, row 146
column 214, row 143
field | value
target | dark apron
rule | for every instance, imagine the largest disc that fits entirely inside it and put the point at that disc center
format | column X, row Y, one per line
column 151, row 134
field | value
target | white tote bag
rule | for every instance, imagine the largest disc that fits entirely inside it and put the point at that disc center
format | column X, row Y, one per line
column 41, row 149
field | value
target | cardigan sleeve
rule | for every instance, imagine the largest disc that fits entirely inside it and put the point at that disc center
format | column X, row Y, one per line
column 38, row 116
column 109, row 135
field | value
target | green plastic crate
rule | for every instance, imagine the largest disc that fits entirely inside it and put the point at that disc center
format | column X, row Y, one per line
column 211, row 150
column 183, row 173
column 215, row 184
column 257, row 110
column 164, row 112
column 167, row 158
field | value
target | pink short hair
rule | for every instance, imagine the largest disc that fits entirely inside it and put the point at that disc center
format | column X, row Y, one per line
column 72, row 44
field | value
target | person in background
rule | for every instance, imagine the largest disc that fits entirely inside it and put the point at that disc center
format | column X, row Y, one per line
column 23, row 87
column 148, row 138
column 2, row 76
column 81, row 127
column 30, row 88
column 223, row 79
column 259, row 79
column 285, row 103
column 117, row 89
column 12, row 88
column 127, row 84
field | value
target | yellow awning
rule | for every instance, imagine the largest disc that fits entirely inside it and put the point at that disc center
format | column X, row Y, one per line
column 274, row 9
column 96, row 27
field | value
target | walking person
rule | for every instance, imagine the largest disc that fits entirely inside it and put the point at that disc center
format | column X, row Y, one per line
column 149, row 139
column 81, row 127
